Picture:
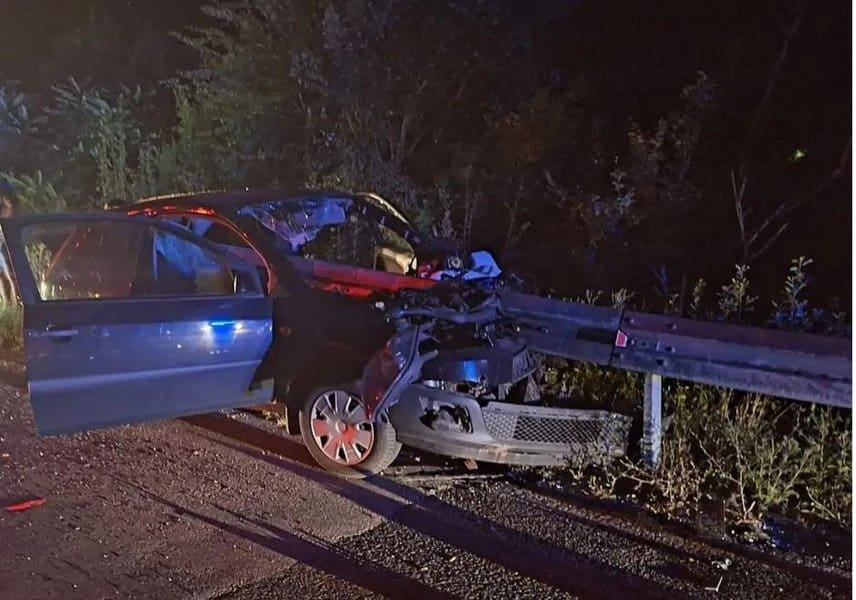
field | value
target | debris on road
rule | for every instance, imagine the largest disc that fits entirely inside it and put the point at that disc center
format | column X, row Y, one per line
column 25, row 505
column 722, row 564
column 714, row 589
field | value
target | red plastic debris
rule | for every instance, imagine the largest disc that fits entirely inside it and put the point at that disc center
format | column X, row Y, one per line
column 25, row 505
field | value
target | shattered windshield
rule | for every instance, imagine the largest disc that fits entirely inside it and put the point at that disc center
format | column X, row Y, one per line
column 299, row 221
column 338, row 229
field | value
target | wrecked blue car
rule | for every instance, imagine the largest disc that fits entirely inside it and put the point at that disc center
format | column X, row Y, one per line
column 368, row 332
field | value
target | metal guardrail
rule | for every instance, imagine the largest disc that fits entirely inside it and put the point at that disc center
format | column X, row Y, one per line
column 810, row 368
column 798, row 366
column 570, row 330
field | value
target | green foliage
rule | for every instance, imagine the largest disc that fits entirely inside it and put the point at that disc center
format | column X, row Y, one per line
column 620, row 298
column 14, row 115
column 11, row 327
column 669, row 148
column 589, row 297
column 35, row 194
column 743, row 450
column 681, row 477
column 735, row 302
column 827, row 438
column 791, row 309
column 697, row 300
column 108, row 137
column 745, row 454
column 758, row 454
column 39, row 257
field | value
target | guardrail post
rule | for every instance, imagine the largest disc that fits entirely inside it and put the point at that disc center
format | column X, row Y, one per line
column 652, row 420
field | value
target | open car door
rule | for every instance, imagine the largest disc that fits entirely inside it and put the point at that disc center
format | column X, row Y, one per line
column 128, row 319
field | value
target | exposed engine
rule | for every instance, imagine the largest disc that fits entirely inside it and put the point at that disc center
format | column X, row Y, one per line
column 457, row 379
column 476, row 351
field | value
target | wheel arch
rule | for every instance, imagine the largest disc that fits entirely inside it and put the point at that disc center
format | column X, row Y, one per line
column 330, row 363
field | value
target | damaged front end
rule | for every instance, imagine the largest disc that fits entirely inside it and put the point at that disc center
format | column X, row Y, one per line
column 458, row 379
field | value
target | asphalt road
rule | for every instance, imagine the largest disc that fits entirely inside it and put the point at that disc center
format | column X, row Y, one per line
column 226, row 507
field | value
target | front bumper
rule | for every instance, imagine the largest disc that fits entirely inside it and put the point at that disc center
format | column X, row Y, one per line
column 514, row 434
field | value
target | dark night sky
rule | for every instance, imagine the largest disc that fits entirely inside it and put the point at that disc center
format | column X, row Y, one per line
column 29, row 27
column 647, row 50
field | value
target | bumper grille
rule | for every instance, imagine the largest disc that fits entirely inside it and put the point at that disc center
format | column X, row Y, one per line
column 582, row 432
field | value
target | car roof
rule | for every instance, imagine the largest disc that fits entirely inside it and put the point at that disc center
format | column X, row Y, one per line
column 226, row 200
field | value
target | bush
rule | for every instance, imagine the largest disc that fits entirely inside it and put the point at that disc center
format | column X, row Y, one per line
column 740, row 454
column 747, row 454
column 758, row 454
column 11, row 327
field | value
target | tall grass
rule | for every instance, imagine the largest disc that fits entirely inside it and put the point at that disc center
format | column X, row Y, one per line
column 11, row 327
column 742, row 454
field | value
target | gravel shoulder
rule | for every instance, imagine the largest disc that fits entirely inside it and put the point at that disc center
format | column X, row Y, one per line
column 154, row 511
column 226, row 507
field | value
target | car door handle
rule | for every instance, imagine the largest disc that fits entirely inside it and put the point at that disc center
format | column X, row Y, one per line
column 56, row 334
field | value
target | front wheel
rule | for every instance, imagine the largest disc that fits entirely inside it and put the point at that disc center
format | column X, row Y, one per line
column 341, row 438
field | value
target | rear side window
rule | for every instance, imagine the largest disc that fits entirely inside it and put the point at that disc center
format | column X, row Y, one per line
column 120, row 259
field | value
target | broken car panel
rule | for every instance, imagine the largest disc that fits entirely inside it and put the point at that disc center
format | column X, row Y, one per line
column 460, row 383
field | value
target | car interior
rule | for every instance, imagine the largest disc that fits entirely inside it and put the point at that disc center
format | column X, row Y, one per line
column 117, row 260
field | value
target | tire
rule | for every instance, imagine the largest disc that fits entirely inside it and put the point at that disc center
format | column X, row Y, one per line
column 341, row 441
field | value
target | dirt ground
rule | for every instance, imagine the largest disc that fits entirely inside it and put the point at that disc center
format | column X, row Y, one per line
column 225, row 506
